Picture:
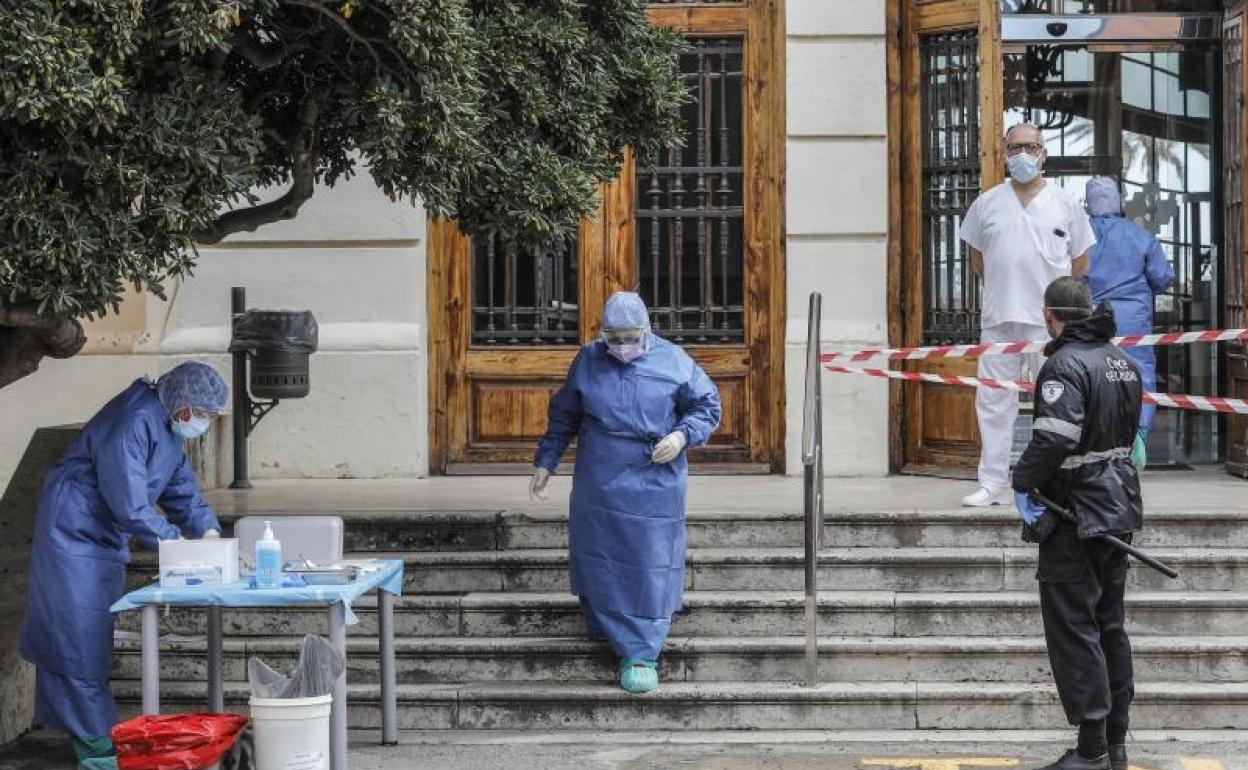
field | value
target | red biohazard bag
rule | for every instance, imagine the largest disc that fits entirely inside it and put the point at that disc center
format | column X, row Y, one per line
column 175, row 742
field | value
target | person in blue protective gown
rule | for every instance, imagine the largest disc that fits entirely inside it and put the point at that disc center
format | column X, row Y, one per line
column 1128, row 268
column 127, row 460
column 633, row 402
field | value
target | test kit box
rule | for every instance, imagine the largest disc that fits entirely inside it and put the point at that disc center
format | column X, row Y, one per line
column 198, row 562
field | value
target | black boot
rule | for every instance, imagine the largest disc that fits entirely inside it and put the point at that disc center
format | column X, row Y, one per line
column 1072, row 761
column 1118, row 756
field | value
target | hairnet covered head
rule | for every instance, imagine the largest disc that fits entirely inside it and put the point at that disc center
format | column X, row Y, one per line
column 192, row 385
column 625, row 310
column 1101, row 196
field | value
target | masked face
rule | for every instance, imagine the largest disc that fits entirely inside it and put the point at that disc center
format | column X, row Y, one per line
column 192, row 428
column 1023, row 167
column 626, row 345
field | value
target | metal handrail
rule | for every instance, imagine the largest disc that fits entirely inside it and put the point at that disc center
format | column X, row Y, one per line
column 812, row 483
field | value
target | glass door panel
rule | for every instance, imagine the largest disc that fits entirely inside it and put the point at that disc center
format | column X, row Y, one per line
column 1143, row 113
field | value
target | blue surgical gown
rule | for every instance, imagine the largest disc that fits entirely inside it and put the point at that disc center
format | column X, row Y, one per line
column 627, row 521
column 1128, row 268
column 103, row 492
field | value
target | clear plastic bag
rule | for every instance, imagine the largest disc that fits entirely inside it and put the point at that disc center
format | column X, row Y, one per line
column 318, row 667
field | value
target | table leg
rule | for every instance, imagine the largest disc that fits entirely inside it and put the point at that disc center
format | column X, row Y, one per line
column 338, row 710
column 150, row 646
column 216, row 655
column 385, row 642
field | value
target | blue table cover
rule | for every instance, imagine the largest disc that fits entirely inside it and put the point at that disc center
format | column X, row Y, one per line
column 388, row 578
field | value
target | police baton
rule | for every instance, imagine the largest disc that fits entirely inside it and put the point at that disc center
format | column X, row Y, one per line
column 1121, row 545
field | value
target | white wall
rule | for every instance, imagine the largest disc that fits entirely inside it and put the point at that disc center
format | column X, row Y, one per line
column 357, row 261
column 353, row 258
column 837, row 219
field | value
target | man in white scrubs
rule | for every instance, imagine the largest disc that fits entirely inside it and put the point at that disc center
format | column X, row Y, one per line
column 1023, row 234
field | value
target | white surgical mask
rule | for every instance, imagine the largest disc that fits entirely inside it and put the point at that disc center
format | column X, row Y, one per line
column 1023, row 167
column 192, row 428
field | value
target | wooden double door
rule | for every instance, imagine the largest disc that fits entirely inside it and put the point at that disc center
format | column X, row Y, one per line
column 1152, row 99
column 697, row 232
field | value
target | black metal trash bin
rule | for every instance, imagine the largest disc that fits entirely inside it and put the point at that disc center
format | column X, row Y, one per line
column 280, row 343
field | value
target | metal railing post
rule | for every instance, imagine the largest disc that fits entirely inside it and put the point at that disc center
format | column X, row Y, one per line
column 812, row 482
column 242, row 400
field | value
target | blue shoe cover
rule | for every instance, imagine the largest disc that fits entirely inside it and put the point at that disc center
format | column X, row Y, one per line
column 638, row 676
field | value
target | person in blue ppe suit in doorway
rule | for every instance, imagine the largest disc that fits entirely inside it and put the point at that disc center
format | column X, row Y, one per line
column 127, row 460
column 633, row 402
column 1129, row 268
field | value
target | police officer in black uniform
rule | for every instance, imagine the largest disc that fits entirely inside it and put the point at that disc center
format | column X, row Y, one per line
column 1087, row 406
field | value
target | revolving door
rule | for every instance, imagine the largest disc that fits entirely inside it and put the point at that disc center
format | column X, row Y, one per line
column 1137, row 97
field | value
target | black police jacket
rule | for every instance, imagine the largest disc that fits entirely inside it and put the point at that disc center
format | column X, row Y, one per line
column 1087, row 407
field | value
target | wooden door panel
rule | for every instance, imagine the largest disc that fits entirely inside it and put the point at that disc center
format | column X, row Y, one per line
column 506, row 411
column 947, row 88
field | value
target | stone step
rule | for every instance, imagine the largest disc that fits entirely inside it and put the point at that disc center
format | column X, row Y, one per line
column 750, row 705
column 400, row 530
column 747, row 613
column 781, row 569
column 706, row 659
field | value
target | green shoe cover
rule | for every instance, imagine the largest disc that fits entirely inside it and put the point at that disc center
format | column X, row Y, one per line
column 91, row 748
column 638, row 676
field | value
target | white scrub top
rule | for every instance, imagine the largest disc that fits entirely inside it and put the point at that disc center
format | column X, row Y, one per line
column 1024, row 249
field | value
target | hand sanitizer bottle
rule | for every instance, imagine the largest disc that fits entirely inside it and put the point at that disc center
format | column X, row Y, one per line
column 268, row 559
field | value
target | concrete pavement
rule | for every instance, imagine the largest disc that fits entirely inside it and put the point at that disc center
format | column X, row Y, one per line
column 744, row 750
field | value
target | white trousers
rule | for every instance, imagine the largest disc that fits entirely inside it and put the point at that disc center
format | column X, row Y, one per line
column 997, row 409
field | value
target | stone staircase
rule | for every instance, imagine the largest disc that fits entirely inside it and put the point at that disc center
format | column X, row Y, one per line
column 928, row 620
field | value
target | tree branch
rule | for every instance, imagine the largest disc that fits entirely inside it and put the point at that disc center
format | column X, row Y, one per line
column 257, row 54
column 26, row 338
column 302, row 146
column 346, row 28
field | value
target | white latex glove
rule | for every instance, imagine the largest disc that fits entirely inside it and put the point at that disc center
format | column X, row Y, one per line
column 537, row 484
column 670, row 447
column 211, row 534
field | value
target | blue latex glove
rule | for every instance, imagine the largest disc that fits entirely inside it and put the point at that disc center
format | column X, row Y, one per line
column 1027, row 509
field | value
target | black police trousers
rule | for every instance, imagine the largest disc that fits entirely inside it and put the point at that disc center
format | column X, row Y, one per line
column 1082, row 583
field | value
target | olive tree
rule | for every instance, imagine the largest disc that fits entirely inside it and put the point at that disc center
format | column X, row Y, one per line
column 131, row 130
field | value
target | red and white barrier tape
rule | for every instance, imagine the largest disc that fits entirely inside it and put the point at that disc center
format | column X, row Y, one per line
column 1174, row 400
column 998, row 348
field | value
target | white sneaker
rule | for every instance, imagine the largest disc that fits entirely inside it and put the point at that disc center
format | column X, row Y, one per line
column 984, row 497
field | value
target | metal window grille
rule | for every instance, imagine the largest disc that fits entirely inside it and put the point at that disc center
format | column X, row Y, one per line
column 690, row 207
column 951, row 180
column 1233, row 170
column 521, row 298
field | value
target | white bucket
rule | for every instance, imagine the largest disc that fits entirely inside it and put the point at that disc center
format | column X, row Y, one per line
column 291, row 733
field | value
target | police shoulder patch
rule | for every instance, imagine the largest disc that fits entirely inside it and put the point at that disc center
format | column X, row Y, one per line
column 1052, row 391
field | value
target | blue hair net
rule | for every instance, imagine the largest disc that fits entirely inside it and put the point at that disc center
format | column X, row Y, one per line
column 192, row 385
column 625, row 310
column 1101, row 196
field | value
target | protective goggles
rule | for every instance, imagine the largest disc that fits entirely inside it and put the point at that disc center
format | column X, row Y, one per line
column 196, row 413
column 623, row 336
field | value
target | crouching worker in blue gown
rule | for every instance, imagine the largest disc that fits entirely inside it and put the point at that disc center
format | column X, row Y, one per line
column 633, row 402
column 1128, row 268
column 104, row 491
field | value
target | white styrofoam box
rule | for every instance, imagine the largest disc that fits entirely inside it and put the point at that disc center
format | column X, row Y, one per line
column 317, row 539
column 209, row 562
